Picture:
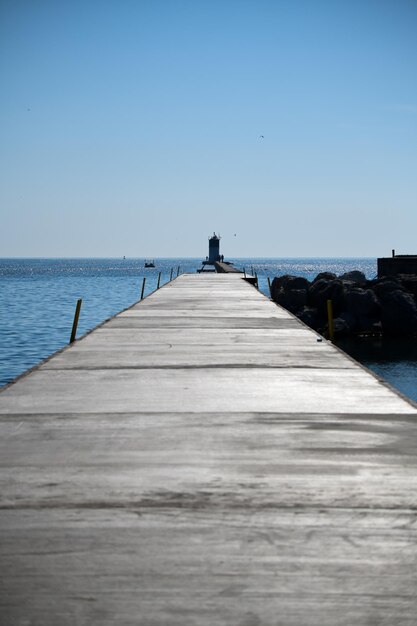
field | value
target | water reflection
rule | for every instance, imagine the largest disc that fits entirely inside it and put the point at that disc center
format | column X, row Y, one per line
column 394, row 359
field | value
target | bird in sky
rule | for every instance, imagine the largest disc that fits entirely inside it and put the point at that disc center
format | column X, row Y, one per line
column 261, row 137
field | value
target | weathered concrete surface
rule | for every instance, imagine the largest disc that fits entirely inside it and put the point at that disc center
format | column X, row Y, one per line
column 226, row 268
column 203, row 459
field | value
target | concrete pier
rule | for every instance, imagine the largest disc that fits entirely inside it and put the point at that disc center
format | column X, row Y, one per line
column 202, row 459
column 226, row 268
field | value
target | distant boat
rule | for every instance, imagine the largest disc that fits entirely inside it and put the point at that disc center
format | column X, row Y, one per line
column 150, row 264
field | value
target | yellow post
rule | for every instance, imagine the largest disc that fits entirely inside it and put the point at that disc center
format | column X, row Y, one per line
column 143, row 288
column 75, row 322
column 330, row 319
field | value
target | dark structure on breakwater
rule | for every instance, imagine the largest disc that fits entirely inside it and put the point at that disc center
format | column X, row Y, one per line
column 214, row 255
column 397, row 264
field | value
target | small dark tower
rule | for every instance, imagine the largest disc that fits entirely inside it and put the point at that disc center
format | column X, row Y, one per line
column 214, row 254
column 214, row 249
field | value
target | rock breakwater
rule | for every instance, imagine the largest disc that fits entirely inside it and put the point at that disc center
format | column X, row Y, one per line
column 385, row 306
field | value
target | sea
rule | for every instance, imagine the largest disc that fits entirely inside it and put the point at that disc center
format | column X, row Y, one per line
column 38, row 299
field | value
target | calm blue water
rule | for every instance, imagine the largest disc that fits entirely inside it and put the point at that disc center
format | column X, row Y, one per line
column 38, row 297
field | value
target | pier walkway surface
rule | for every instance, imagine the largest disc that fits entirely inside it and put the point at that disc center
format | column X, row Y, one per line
column 201, row 459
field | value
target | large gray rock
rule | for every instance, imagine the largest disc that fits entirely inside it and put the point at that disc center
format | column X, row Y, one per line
column 293, row 300
column 310, row 317
column 362, row 303
column 355, row 276
column 343, row 327
column 290, row 292
column 287, row 282
column 409, row 283
column 323, row 290
column 365, row 307
column 325, row 275
column 399, row 313
column 382, row 288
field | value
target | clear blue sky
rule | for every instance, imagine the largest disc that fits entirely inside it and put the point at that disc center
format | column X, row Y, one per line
column 133, row 127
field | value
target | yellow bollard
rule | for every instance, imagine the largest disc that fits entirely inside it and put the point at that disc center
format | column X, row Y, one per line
column 75, row 322
column 330, row 319
column 143, row 288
